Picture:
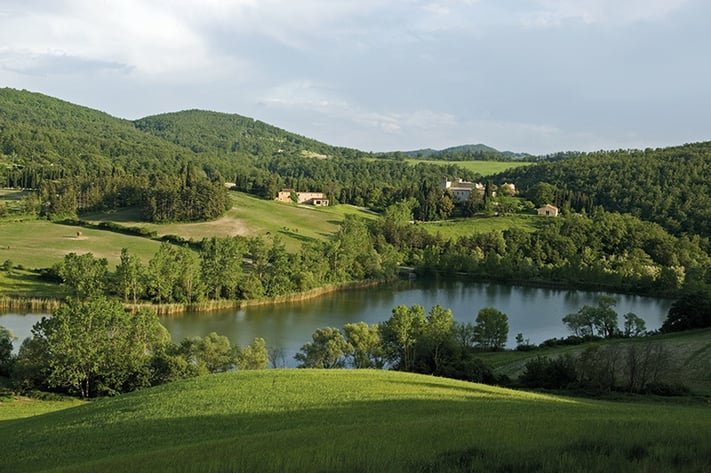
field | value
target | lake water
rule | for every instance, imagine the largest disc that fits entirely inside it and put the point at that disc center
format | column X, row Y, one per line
column 534, row 312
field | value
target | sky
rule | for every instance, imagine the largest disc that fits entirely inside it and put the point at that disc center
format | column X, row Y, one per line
column 536, row 76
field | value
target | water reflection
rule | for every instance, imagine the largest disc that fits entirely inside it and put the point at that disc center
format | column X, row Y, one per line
column 534, row 312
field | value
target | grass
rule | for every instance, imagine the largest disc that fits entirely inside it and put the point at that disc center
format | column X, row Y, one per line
column 251, row 216
column 353, row 420
column 484, row 168
column 689, row 353
column 22, row 282
column 40, row 243
column 455, row 228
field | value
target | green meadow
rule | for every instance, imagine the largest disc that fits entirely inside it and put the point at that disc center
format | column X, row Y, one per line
column 353, row 421
column 40, row 243
column 251, row 216
column 455, row 228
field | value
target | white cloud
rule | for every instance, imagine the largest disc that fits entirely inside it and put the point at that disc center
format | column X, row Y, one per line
column 555, row 12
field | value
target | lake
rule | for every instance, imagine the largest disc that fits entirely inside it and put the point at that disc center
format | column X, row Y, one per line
column 534, row 312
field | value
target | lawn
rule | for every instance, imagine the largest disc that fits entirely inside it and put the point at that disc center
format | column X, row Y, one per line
column 354, row 420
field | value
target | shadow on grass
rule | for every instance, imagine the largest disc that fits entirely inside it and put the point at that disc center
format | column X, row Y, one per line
column 132, row 433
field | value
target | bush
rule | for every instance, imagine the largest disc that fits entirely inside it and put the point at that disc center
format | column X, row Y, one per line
column 666, row 389
column 550, row 373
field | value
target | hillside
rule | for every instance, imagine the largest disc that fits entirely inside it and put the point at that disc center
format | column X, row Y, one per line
column 57, row 138
column 353, row 420
column 669, row 186
column 231, row 134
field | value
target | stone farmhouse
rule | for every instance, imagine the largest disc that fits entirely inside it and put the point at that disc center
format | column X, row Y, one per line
column 461, row 190
column 548, row 210
column 317, row 199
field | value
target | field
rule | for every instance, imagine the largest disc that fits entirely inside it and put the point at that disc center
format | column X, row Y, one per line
column 40, row 244
column 353, row 420
column 251, row 216
column 485, row 168
column 456, row 228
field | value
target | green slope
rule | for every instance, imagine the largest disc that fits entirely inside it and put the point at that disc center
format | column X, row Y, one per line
column 230, row 134
column 353, row 420
column 37, row 130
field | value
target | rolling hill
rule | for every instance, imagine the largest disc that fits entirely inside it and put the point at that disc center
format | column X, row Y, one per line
column 354, row 420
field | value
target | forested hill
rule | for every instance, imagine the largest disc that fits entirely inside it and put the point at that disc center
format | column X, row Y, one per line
column 231, row 134
column 42, row 137
column 670, row 186
column 65, row 139
column 478, row 152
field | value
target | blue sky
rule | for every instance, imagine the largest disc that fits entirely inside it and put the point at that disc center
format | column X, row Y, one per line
column 524, row 75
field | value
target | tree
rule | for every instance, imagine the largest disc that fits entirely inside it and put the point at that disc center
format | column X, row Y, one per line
column 541, row 194
column 692, row 310
column 129, row 277
column 95, row 347
column 437, row 331
column 589, row 320
column 6, row 357
column 327, row 349
column 254, row 356
column 400, row 333
column 221, row 265
column 163, row 273
column 84, row 275
column 492, row 329
column 634, row 326
column 365, row 351
column 211, row 354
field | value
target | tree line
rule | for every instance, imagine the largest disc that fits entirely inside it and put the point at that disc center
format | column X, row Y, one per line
column 602, row 249
column 229, row 268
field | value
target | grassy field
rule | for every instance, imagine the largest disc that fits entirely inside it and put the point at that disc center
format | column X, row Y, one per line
column 40, row 243
column 353, row 421
column 456, row 228
column 485, row 168
column 251, row 216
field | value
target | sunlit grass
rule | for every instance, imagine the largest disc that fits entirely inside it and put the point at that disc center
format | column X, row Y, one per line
column 353, row 420
column 40, row 243
column 252, row 216
column 455, row 228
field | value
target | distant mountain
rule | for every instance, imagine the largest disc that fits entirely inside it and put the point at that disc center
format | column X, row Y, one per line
column 465, row 153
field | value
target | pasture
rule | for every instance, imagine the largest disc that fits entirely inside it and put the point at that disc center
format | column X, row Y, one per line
column 353, row 420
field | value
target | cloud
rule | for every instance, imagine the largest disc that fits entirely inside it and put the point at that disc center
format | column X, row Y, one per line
column 150, row 38
column 545, row 13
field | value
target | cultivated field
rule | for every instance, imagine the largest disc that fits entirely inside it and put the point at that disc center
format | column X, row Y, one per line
column 354, row 420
